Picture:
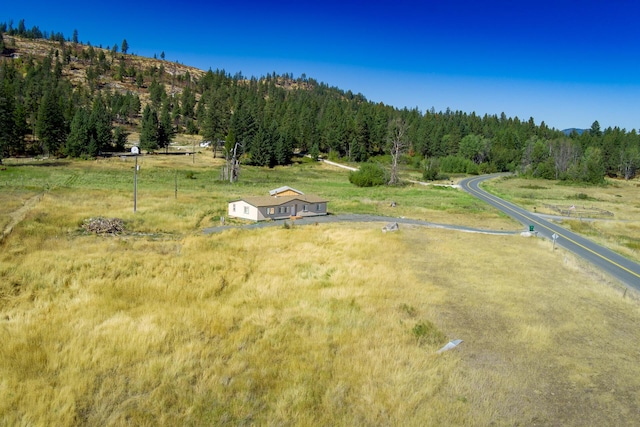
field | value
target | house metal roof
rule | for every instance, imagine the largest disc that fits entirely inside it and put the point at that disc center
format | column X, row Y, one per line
column 265, row 201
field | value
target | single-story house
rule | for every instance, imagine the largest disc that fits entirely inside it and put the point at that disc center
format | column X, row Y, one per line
column 260, row 208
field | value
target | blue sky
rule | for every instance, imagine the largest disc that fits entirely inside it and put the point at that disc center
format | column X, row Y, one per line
column 561, row 62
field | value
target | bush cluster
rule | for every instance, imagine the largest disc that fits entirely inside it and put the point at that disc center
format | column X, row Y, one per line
column 369, row 175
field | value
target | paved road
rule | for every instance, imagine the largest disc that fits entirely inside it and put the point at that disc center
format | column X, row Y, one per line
column 621, row 268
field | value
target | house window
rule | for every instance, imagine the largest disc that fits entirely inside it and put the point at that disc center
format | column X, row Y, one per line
column 271, row 211
column 305, row 208
column 234, row 207
column 318, row 207
column 246, row 210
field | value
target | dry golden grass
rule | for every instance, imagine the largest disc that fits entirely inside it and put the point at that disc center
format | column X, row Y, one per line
column 11, row 205
column 312, row 325
column 335, row 324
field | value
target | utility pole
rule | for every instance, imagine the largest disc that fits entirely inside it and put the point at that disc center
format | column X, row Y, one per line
column 135, row 151
column 135, row 185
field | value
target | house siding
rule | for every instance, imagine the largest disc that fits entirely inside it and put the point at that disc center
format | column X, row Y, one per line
column 242, row 209
column 274, row 208
column 290, row 209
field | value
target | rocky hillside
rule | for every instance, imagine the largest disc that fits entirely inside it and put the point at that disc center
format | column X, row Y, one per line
column 95, row 67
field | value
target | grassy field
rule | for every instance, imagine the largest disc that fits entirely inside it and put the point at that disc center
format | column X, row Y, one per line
column 608, row 214
column 334, row 324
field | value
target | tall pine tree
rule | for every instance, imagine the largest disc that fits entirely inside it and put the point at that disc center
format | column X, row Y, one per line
column 149, row 129
column 51, row 127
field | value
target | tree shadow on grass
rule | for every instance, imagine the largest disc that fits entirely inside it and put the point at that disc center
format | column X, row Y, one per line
column 34, row 162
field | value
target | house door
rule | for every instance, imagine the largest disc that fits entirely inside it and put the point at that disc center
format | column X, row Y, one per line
column 294, row 208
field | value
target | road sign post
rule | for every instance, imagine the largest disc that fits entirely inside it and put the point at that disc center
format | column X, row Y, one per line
column 554, row 237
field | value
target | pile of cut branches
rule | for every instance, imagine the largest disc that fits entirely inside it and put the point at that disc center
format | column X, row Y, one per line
column 102, row 225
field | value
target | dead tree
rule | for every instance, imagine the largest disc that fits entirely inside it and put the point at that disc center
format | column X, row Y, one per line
column 398, row 141
column 235, row 164
column 231, row 169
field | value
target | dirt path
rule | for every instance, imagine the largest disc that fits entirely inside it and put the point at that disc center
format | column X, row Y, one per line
column 356, row 218
column 19, row 214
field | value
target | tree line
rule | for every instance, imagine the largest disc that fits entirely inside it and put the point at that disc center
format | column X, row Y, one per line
column 268, row 120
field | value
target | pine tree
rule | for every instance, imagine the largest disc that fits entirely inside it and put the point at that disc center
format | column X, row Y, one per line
column 188, row 99
column 595, row 129
column 20, row 130
column 22, row 29
column 593, row 166
column 157, row 93
column 216, row 118
column 120, row 136
column 124, row 47
column 165, row 129
column 149, row 129
column 77, row 141
column 7, row 123
column 283, row 150
column 100, row 127
column 262, row 149
column 50, row 126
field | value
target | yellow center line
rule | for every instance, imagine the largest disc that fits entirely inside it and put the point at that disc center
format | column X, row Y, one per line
column 498, row 201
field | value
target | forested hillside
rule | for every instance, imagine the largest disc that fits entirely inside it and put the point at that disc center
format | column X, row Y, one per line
column 60, row 97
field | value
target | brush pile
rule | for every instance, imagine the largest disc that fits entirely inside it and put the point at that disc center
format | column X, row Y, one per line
column 102, row 225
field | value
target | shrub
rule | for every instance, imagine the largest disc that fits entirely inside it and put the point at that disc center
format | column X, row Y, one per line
column 431, row 170
column 472, row 168
column 315, row 152
column 334, row 156
column 369, row 175
column 430, row 174
column 484, row 168
column 545, row 170
column 455, row 164
column 415, row 161
column 426, row 332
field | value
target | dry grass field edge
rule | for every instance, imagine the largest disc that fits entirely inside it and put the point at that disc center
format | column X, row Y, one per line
column 334, row 324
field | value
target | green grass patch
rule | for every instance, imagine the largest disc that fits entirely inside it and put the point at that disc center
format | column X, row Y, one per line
column 581, row 196
column 426, row 332
column 533, row 187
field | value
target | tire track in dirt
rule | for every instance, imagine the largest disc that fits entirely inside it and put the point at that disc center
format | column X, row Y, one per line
column 18, row 215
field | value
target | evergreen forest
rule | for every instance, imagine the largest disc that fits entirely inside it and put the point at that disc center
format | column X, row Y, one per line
column 61, row 97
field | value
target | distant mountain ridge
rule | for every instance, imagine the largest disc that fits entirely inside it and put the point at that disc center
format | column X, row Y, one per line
column 571, row 130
